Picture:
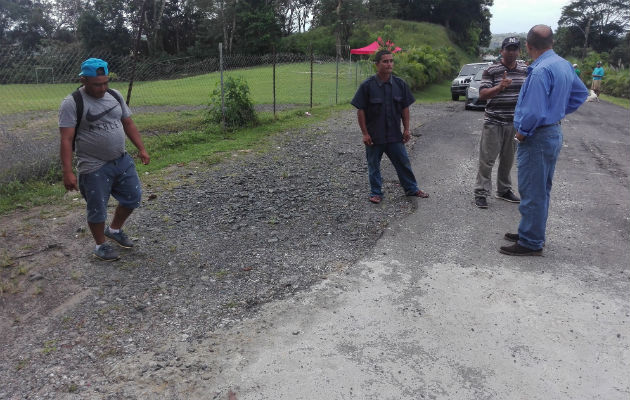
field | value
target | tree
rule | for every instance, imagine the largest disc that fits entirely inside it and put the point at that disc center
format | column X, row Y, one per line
column 599, row 24
column 293, row 15
column 103, row 26
column 64, row 15
column 341, row 15
column 260, row 28
column 179, row 25
column 24, row 23
column 469, row 20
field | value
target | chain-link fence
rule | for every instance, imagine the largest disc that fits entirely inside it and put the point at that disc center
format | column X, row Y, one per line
column 33, row 85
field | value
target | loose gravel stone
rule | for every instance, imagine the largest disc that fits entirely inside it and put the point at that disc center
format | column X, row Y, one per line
column 211, row 246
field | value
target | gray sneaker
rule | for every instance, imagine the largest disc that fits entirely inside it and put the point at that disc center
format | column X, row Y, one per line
column 106, row 252
column 120, row 237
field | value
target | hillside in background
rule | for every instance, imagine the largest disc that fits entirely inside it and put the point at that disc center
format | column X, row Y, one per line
column 405, row 34
column 497, row 38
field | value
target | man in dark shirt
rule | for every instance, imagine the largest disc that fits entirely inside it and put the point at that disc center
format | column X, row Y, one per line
column 382, row 101
column 500, row 84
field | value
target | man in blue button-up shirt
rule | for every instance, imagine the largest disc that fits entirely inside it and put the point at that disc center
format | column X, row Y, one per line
column 551, row 91
column 382, row 101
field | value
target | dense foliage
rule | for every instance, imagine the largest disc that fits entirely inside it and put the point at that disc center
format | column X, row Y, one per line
column 616, row 80
column 598, row 25
column 196, row 27
column 425, row 65
column 597, row 30
column 617, row 83
column 237, row 105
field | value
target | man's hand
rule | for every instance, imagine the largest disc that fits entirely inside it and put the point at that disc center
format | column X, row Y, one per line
column 367, row 139
column 406, row 136
column 70, row 181
column 144, row 156
column 519, row 137
column 505, row 82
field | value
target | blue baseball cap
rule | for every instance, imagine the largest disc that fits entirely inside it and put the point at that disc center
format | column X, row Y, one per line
column 94, row 67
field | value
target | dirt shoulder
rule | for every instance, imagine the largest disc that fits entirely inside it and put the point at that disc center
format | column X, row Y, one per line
column 212, row 245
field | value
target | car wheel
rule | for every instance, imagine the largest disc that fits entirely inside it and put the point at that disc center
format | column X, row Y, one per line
column 454, row 97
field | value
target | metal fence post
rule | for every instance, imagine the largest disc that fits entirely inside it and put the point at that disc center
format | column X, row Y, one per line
column 135, row 53
column 337, row 80
column 222, row 92
column 311, row 46
column 274, row 81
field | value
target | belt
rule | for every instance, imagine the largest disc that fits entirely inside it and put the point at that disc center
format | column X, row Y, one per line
column 548, row 125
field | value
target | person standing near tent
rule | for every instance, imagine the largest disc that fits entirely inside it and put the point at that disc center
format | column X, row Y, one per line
column 382, row 101
column 96, row 118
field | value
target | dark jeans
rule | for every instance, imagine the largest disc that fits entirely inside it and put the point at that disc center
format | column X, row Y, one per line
column 397, row 154
column 536, row 157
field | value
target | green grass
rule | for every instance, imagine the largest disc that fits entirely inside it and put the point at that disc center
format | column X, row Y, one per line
column 625, row 103
column 17, row 195
column 292, row 87
column 435, row 93
column 155, row 122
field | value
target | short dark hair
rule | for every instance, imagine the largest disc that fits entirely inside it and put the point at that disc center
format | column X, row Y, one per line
column 379, row 54
column 540, row 37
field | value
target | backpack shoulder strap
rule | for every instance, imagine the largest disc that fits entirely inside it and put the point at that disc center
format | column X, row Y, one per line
column 78, row 100
column 117, row 97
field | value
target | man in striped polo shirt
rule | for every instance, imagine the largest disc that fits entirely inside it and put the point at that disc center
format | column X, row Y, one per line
column 500, row 85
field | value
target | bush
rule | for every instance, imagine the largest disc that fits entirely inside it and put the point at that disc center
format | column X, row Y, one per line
column 238, row 107
column 617, row 83
column 424, row 65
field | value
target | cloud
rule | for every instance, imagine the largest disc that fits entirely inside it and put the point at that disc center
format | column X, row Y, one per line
column 519, row 16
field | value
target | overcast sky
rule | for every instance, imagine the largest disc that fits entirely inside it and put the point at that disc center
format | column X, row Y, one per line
column 520, row 15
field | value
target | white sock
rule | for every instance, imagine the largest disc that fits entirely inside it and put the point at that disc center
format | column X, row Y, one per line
column 114, row 230
column 98, row 246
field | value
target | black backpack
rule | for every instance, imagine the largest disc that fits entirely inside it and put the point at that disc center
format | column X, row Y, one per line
column 78, row 100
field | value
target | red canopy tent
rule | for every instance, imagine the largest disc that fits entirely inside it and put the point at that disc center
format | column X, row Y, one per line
column 370, row 48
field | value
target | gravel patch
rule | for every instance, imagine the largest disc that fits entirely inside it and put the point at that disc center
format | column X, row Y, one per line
column 212, row 244
column 29, row 141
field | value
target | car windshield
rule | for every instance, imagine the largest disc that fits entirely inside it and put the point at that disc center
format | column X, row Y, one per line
column 478, row 75
column 471, row 69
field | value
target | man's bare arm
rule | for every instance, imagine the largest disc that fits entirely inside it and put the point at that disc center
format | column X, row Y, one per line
column 405, row 122
column 488, row 93
column 65, row 153
column 132, row 133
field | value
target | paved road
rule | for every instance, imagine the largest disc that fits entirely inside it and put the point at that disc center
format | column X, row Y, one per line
column 435, row 312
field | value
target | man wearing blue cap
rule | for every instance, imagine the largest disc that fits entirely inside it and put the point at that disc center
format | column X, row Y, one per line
column 94, row 121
